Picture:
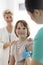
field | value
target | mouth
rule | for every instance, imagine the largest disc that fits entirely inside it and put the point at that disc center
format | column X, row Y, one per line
column 22, row 34
column 9, row 21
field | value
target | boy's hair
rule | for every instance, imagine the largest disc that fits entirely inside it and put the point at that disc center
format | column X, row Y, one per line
column 7, row 12
column 33, row 4
column 25, row 24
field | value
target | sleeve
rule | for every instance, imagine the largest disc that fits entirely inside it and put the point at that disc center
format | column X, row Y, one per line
column 13, row 50
column 38, row 47
column 1, row 40
column 28, row 43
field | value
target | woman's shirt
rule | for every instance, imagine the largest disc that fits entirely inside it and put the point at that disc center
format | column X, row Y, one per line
column 38, row 47
column 18, row 49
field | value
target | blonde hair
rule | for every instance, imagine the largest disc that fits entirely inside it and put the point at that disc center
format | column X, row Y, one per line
column 7, row 12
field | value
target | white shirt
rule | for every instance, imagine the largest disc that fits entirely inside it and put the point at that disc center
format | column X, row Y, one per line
column 4, row 37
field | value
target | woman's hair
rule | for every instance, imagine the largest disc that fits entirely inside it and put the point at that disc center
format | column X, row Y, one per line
column 25, row 25
column 7, row 12
column 33, row 4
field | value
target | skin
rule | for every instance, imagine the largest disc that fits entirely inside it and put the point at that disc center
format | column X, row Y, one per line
column 37, row 16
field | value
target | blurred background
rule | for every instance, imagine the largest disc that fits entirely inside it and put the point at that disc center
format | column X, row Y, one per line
column 19, row 11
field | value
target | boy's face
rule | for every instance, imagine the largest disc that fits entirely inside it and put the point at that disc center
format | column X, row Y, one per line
column 8, row 18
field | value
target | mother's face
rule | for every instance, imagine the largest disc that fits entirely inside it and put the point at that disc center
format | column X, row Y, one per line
column 8, row 18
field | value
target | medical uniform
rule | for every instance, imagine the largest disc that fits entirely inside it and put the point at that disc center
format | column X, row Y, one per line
column 38, row 47
column 4, row 37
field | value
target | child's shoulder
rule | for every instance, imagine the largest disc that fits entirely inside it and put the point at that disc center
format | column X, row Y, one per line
column 29, row 39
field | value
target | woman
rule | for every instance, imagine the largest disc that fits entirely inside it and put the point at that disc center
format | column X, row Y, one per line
column 35, row 10
column 6, row 37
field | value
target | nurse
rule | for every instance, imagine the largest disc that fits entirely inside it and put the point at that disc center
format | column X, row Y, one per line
column 35, row 10
column 6, row 37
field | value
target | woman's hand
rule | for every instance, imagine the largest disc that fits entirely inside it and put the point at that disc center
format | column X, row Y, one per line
column 6, row 45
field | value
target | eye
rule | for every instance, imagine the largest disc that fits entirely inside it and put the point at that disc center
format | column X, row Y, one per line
column 18, row 28
column 7, row 17
column 10, row 16
column 24, row 28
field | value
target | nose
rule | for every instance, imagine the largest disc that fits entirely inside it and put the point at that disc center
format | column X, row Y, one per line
column 22, row 32
column 10, row 19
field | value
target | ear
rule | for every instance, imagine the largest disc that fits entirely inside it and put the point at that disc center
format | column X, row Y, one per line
column 36, row 14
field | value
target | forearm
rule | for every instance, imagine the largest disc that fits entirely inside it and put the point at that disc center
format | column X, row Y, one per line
column 12, row 61
column 32, row 62
column 27, row 61
column 7, row 44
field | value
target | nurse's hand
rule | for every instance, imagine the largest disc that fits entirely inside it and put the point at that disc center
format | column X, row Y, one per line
column 7, row 44
column 25, row 54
